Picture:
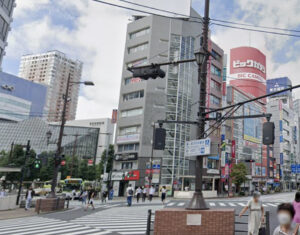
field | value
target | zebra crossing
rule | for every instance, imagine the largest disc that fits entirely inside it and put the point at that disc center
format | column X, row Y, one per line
column 121, row 220
column 39, row 225
column 221, row 204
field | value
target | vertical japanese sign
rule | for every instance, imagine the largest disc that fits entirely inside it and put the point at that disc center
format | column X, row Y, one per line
column 233, row 149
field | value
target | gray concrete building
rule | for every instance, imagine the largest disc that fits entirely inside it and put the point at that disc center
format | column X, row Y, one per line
column 6, row 11
column 153, row 39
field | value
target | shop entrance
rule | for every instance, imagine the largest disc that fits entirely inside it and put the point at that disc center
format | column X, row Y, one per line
column 122, row 188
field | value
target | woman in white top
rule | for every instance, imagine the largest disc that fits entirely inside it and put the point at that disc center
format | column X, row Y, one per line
column 163, row 194
column 256, row 214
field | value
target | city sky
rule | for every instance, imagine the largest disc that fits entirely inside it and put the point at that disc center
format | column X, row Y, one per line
column 95, row 34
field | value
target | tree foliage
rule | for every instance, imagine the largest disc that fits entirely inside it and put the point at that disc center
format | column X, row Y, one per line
column 238, row 174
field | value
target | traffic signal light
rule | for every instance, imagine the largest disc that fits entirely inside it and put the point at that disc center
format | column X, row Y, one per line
column 37, row 163
column 160, row 139
column 145, row 73
column 268, row 133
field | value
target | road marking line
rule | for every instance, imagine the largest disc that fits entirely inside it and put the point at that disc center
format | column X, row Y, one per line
column 89, row 231
column 231, row 204
column 222, row 204
column 171, row 204
column 132, row 233
column 212, row 204
column 242, row 204
column 181, row 204
column 270, row 204
column 264, row 205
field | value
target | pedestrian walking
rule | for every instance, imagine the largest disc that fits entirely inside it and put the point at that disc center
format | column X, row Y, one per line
column 91, row 195
column 29, row 195
column 111, row 194
column 73, row 194
column 138, row 194
column 144, row 194
column 285, row 215
column 256, row 214
column 296, row 205
column 151, row 193
column 104, row 196
column 84, row 196
column 163, row 194
column 129, row 192
column 2, row 193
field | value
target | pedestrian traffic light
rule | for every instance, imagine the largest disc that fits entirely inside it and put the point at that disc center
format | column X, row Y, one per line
column 268, row 133
column 145, row 73
column 160, row 139
column 57, row 160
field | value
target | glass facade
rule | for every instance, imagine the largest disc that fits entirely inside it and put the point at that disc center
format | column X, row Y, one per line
column 180, row 80
column 80, row 141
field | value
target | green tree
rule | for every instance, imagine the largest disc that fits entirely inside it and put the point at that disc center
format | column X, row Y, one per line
column 238, row 174
column 109, row 160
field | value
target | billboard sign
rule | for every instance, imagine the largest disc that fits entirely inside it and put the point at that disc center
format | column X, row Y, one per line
column 278, row 84
column 294, row 168
column 248, row 63
column 197, row 147
column 233, row 149
column 252, row 126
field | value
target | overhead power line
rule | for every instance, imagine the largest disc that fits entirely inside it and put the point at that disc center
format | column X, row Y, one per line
column 255, row 28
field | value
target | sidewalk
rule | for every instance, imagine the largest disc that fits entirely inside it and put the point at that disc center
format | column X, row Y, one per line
column 17, row 213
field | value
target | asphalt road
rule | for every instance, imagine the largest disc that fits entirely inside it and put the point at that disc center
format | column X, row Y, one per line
column 115, row 218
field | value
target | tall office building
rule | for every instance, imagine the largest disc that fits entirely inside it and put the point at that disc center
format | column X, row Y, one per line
column 154, row 39
column 6, row 10
column 52, row 69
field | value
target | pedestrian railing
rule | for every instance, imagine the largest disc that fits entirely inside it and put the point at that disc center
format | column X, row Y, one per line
column 150, row 223
column 239, row 222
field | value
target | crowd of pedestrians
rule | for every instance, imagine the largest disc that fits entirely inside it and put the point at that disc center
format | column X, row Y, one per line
column 142, row 192
column 288, row 215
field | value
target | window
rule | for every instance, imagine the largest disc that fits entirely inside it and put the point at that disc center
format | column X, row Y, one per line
column 133, row 95
column 127, row 165
column 139, row 33
column 3, row 28
column 216, row 55
column 138, row 48
column 129, row 130
column 216, row 71
column 286, row 122
column 128, row 147
column 132, row 112
column 215, row 100
column 215, row 85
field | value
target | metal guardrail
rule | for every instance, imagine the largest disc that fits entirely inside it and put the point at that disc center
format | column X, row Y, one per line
column 266, row 224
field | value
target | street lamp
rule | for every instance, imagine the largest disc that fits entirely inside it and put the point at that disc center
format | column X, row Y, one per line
column 198, row 202
column 61, row 132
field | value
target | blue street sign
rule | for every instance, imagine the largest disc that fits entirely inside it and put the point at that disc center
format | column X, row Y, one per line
column 294, row 168
column 281, row 158
column 157, row 166
column 298, row 169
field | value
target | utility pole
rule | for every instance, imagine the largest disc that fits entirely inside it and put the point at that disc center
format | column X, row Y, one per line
column 197, row 202
column 11, row 150
column 151, row 158
column 23, row 171
column 59, row 143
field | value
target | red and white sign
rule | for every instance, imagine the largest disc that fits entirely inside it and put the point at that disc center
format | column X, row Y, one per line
column 132, row 175
column 114, row 116
column 90, row 162
column 248, row 63
column 233, row 148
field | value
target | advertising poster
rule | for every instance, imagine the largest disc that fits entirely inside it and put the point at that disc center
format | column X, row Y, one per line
column 278, row 84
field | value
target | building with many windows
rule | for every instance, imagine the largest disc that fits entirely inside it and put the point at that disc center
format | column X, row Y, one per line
column 79, row 141
column 6, row 12
column 154, row 39
column 21, row 99
column 52, row 69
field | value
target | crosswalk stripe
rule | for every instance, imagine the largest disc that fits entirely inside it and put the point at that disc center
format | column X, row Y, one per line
column 242, row 204
column 222, row 204
column 30, row 226
column 43, row 231
column 170, row 204
column 270, row 204
column 181, row 204
column 89, row 231
column 131, row 233
column 212, row 204
column 231, row 204
column 264, row 205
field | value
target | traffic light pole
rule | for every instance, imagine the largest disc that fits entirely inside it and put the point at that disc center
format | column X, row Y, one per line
column 59, row 143
column 151, row 158
column 23, row 171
